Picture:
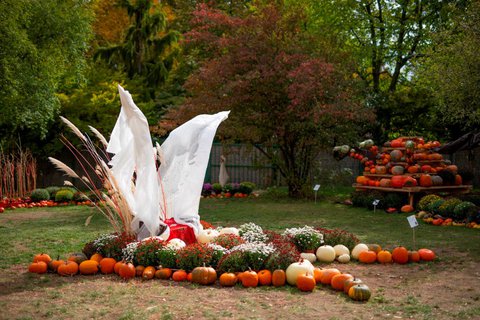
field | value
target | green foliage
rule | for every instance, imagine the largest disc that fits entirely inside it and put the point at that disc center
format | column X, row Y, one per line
column 111, row 245
column 447, row 208
column 63, row 195
column 52, row 190
column 393, row 200
column 194, row 255
column 247, row 187
column 333, row 237
column 285, row 254
column 217, row 188
column 80, row 196
column 167, row 258
column 434, row 206
column 426, row 201
column 464, row 210
column 146, row 253
column 232, row 262
column 39, row 195
column 228, row 241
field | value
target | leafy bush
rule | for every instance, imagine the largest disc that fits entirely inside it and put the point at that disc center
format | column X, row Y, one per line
column 306, row 238
column 232, row 262
column 111, row 245
column 228, row 241
column 358, row 198
column 372, row 196
column 473, row 198
column 333, row 237
column 276, row 193
column 446, row 208
column 147, row 252
column 63, row 195
column 52, row 190
column 393, row 200
column 217, row 188
column 231, row 188
column 247, row 187
column 207, row 189
column 80, row 196
column 285, row 254
column 39, row 195
column 250, row 232
column 435, row 206
column 464, row 210
column 255, row 254
column 167, row 258
column 194, row 255
column 426, row 201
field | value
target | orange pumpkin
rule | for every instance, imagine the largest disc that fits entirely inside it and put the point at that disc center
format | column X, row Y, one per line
column 407, row 208
column 264, row 277
column 42, row 257
column 117, row 266
column 426, row 254
column 189, row 277
column 397, row 170
column 350, row 283
column 279, row 278
column 228, row 279
column 306, row 282
column 400, row 255
column 163, row 273
column 88, row 267
column 204, row 275
column 107, row 265
column 367, row 256
column 179, row 275
column 384, row 256
column 148, row 273
column 69, row 268
column 385, row 183
column 413, row 256
column 317, row 274
column 458, row 180
column 338, row 281
column 328, row 274
column 413, row 169
column 425, row 180
column 397, row 181
column 54, row 264
column 127, row 271
column 38, row 267
column 374, row 247
column 139, row 270
column 249, row 279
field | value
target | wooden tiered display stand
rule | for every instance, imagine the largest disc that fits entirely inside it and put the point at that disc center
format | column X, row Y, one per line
column 412, row 190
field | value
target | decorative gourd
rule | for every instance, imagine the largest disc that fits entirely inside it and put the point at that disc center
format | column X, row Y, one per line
column 279, row 278
column 328, row 274
column 413, row 169
column 452, row 168
column 413, row 256
column 426, row 254
column 38, row 267
column 400, row 255
column 207, row 235
column 350, row 283
column 367, row 256
column 407, row 208
column 396, row 143
column 107, row 265
column 297, row 268
column 306, row 282
column 437, row 181
column 425, row 180
column 385, row 183
column 344, row 258
column 396, row 155
column 359, row 248
column 180, row 275
column 409, row 145
column 374, row 247
column 204, row 275
column 326, row 254
column 409, row 182
column 228, row 279
column 341, row 249
column 77, row 257
column 88, row 267
column 384, row 256
column 229, row 230
column 96, row 257
column 148, row 273
column 380, row 170
column 338, row 281
column 69, row 268
column 249, row 279
column 264, row 278
column 359, row 292
column 308, row 256
column 42, row 257
column 398, row 170
column 426, row 168
column 127, row 271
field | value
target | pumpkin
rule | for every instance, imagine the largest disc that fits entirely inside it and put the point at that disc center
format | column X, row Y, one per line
column 38, row 267
column 374, row 247
column 328, row 274
column 176, row 244
column 362, row 180
column 396, row 143
column 77, row 257
column 400, row 255
column 357, row 249
column 96, row 257
column 306, row 282
column 407, row 208
column 279, row 278
column 297, row 268
column 426, row 254
column 249, row 279
column 409, row 144
column 385, row 183
column 409, row 182
column 308, row 256
column 180, row 275
column 107, row 265
column 338, row 281
column 88, row 267
column 437, row 181
column 117, row 266
column 359, row 292
column 367, row 256
column 341, row 249
column 189, row 277
column 350, row 283
column 396, row 155
column 413, row 169
column 69, row 268
column 228, row 279
column 380, row 169
column 413, row 256
column 207, row 235
column 264, row 277
column 204, row 275
column 397, row 181
column 397, row 170
column 163, row 273
column 452, row 168
column 344, row 258
column 148, row 273
column 42, row 257
column 458, row 180
column 384, row 256
column 326, row 254
column 54, row 264
column 139, row 270
column 229, row 230
column 127, row 271
column 317, row 274
column 425, row 180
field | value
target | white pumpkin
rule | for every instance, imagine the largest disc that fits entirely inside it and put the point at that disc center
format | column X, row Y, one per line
column 207, row 235
column 308, row 256
column 296, row 269
column 358, row 249
column 344, row 258
column 326, row 254
column 341, row 249
column 230, row 230
column 176, row 244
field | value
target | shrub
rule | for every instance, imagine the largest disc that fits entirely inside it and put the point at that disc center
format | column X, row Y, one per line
column 147, row 252
column 247, row 187
column 464, row 210
column 231, row 188
column 194, row 255
column 446, row 208
column 255, row 253
column 232, row 262
column 285, row 254
column 111, row 245
column 80, row 196
column 473, row 198
column 228, row 241
column 207, row 189
column 426, row 201
column 52, row 190
column 39, row 195
column 64, row 195
column 435, row 205
column 306, row 238
column 167, row 258
column 372, row 196
column 250, row 232
column 217, row 188
column 394, row 200
column 333, row 237
column 358, row 198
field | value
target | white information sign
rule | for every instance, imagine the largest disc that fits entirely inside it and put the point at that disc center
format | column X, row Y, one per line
column 376, row 202
column 412, row 221
column 316, row 188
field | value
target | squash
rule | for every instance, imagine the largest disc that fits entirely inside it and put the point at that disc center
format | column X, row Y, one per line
column 384, row 257
column 400, row 255
column 350, row 283
column 249, row 279
column 297, row 268
column 204, row 275
column 344, row 258
column 380, row 170
column 409, row 182
column 458, row 180
column 426, row 254
column 306, row 282
column 42, row 257
column 264, row 277
column 127, row 271
column 326, row 254
column 367, row 256
column 385, row 183
column 148, row 273
column 396, row 155
column 413, row 256
column 308, row 256
column 96, row 257
column 54, row 264
column 107, row 265
column 413, row 169
column 163, row 273
column 407, row 208
column 397, row 181
column 228, row 279
column 207, row 235
column 437, row 181
column 398, row 170
column 328, row 274
column 38, row 267
column 452, row 168
column 77, row 257
column 374, row 247
column 357, row 249
column 69, row 268
column 176, row 244
column 180, row 275
column 359, row 292
column 279, row 278
column 88, row 267
column 230, row 230
column 425, row 180
column 338, row 281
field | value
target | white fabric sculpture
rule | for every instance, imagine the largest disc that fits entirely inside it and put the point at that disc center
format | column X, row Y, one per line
column 174, row 191
column 223, row 174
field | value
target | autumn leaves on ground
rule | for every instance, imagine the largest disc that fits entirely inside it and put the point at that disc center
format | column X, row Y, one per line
column 444, row 289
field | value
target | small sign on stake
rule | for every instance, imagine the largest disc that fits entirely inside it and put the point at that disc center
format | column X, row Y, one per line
column 316, row 188
column 375, row 204
column 413, row 224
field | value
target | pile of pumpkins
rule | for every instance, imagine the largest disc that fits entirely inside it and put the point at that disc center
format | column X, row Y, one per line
column 301, row 274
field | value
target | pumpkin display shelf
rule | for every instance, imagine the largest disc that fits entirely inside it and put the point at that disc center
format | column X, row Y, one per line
column 408, row 165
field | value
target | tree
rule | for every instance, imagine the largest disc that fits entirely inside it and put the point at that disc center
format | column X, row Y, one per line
column 287, row 100
column 42, row 47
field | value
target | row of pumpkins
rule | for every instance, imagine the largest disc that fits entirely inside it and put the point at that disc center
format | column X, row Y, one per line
column 301, row 274
column 368, row 253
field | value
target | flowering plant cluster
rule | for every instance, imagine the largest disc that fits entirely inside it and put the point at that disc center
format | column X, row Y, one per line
column 207, row 189
column 129, row 251
column 333, row 237
column 255, row 254
column 167, row 257
column 285, row 254
column 305, row 238
column 194, row 255
column 228, row 240
column 146, row 253
column 250, row 232
column 111, row 245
